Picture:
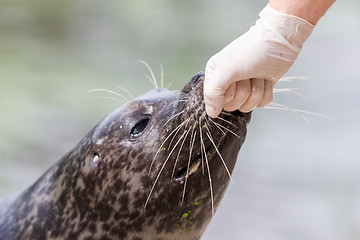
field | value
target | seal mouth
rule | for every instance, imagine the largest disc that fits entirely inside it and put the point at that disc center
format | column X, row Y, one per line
column 195, row 147
column 192, row 168
column 207, row 137
column 187, row 172
column 214, row 131
column 210, row 142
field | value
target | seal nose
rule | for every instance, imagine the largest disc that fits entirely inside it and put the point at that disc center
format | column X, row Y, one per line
column 195, row 84
column 199, row 76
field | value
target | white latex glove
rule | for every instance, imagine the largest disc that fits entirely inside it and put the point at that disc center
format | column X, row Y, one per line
column 242, row 75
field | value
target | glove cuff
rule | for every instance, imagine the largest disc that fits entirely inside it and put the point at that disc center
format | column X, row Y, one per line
column 294, row 29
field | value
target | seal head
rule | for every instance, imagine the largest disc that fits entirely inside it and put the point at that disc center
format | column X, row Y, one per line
column 155, row 168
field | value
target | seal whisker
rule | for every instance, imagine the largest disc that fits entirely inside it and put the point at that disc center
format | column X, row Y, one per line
column 152, row 79
column 184, row 99
column 187, row 120
column 180, row 149
column 174, row 136
column 162, row 76
column 177, row 159
column 192, row 141
column 292, row 79
column 287, row 91
column 127, row 91
column 222, row 119
column 202, row 153
column 162, row 167
column 172, row 104
column 227, row 113
column 216, row 124
column 169, row 85
column 277, row 106
column 209, row 175
column 178, row 101
column 111, row 98
column 287, row 109
column 111, row 92
column 227, row 129
column 157, row 152
column 208, row 123
column 174, row 116
column 217, row 150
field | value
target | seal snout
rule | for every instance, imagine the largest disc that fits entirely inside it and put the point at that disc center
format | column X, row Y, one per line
column 196, row 85
column 246, row 116
column 198, row 77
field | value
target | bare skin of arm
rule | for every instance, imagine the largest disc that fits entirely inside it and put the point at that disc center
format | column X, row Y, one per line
column 310, row 10
column 243, row 74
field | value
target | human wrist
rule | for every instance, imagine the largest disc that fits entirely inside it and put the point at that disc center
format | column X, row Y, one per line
column 310, row 10
column 293, row 28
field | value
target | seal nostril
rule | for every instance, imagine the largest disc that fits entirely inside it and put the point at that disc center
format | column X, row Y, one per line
column 197, row 77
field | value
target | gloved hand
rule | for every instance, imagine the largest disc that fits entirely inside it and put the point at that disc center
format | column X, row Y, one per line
column 242, row 75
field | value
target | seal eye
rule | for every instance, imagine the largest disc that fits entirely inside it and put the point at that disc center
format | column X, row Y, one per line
column 139, row 127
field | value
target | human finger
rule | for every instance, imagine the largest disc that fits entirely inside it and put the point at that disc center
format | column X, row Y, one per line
column 243, row 90
column 268, row 93
column 213, row 97
column 230, row 93
column 256, row 96
column 217, row 81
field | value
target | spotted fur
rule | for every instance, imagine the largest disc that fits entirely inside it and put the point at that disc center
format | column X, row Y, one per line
column 163, row 182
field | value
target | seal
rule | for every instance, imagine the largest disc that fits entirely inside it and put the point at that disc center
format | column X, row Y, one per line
column 155, row 168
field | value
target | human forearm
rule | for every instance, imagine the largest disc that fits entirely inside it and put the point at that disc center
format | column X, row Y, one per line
column 310, row 10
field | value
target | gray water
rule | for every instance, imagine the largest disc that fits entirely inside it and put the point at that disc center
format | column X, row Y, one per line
column 293, row 180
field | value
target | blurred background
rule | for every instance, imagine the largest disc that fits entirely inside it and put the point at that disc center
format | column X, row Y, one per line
column 293, row 180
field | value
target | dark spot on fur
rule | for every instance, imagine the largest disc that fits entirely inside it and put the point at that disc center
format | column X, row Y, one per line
column 92, row 227
column 117, row 216
column 106, row 227
column 104, row 238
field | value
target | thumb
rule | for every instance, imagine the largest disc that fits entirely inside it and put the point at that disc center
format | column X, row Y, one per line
column 215, row 86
